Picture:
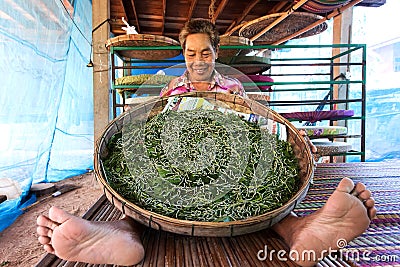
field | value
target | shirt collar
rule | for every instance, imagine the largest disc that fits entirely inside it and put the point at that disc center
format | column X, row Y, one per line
column 217, row 80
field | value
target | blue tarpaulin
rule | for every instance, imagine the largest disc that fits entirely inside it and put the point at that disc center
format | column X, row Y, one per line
column 46, row 103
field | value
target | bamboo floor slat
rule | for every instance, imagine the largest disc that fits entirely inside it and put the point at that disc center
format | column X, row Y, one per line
column 381, row 240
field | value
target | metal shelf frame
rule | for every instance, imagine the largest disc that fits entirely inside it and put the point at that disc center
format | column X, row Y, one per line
column 342, row 56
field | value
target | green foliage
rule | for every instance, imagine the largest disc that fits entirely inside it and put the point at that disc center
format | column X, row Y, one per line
column 268, row 178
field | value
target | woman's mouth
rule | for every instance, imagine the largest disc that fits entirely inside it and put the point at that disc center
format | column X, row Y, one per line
column 200, row 71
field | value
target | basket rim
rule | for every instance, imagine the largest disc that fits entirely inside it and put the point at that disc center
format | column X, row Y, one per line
column 144, row 40
column 152, row 217
column 140, row 37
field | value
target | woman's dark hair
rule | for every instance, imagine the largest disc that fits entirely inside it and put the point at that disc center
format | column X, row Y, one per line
column 199, row 26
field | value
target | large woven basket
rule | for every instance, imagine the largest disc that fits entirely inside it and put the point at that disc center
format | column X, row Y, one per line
column 295, row 22
column 144, row 40
column 234, row 41
column 198, row 228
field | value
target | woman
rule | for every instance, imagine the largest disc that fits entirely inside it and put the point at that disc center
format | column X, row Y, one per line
column 200, row 44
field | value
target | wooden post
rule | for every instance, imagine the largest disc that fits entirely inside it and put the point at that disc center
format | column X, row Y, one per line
column 101, row 83
column 341, row 35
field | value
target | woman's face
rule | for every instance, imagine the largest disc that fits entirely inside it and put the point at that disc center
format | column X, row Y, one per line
column 199, row 57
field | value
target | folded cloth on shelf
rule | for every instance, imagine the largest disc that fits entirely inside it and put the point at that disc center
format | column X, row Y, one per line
column 246, row 64
column 314, row 116
column 262, row 78
column 323, row 131
column 328, row 148
column 139, row 79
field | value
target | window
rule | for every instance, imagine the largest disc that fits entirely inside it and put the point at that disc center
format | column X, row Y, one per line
column 396, row 64
column 396, row 57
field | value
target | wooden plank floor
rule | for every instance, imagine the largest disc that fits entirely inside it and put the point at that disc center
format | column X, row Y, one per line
column 382, row 238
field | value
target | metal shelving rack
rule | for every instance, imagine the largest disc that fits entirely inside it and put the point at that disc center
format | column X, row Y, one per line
column 314, row 75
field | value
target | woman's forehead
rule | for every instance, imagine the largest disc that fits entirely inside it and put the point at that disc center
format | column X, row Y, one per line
column 198, row 42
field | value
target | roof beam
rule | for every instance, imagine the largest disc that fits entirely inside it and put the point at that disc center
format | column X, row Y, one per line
column 164, row 9
column 220, row 8
column 125, row 7
column 136, row 16
column 191, row 9
column 130, row 11
column 280, row 6
column 246, row 11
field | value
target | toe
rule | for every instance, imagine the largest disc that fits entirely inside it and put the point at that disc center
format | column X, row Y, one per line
column 346, row 185
column 58, row 216
column 44, row 221
column 44, row 231
column 44, row 240
column 364, row 195
column 372, row 213
column 358, row 188
column 369, row 203
column 48, row 248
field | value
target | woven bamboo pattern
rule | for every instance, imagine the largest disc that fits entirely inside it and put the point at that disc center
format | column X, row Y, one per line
column 196, row 228
column 234, row 40
column 144, row 40
column 290, row 25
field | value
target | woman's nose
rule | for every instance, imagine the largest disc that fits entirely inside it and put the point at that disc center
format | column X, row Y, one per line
column 199, row 57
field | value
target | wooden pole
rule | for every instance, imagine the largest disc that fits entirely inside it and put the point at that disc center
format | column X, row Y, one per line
column 101, row 84
column 239, row 20
column 342, row 33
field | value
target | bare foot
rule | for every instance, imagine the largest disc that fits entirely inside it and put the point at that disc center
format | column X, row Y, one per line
column 75, row 239
column 346, row 215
